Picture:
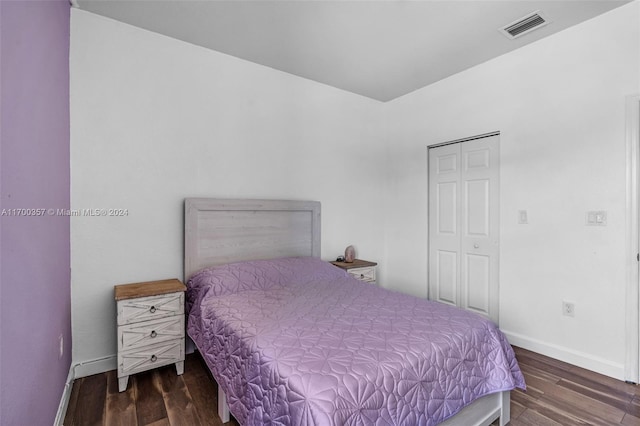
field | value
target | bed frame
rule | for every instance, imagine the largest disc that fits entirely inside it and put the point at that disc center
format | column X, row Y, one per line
column 219, row 231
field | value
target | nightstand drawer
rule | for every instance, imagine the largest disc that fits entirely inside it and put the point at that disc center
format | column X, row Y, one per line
column 364, row 274
column 136, row 335
column 152, row 356
column 151, row 307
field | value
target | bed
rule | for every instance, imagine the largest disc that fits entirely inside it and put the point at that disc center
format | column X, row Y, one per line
column 293, row 340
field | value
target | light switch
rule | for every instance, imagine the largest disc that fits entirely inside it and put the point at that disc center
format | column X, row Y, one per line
column 522, row 217
column 597, row 218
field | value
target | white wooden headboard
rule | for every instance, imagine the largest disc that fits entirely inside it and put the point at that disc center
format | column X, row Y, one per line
column 219, row 231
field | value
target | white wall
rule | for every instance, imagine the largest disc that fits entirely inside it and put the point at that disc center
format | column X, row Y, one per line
column 155, row 120
column 560, row 107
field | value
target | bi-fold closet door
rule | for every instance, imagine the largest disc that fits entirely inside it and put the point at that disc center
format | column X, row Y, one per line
column 464, row 225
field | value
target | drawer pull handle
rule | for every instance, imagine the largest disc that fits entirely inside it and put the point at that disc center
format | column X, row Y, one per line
column 152, row 309
column 153, row 334
column 361, row 275
column 154, row 358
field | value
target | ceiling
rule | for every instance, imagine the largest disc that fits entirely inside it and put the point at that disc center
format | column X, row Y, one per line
column 381, row 49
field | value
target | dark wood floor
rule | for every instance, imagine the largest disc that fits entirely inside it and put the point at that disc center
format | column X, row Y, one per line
column 562, row 394
column 557, row 394
column 153, row 398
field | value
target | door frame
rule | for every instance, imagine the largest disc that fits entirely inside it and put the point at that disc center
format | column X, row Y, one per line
column 632, row 308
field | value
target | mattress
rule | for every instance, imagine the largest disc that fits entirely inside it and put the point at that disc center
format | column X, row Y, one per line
column 297, row 341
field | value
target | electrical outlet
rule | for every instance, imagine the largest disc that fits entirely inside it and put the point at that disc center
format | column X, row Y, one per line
column 61, row 341
column 568, row 309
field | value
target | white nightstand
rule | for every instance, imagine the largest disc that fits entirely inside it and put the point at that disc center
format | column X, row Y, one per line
column 150, row 327
column 360, row 269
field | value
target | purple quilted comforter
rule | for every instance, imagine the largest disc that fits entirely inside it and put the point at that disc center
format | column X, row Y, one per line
column 297, row 341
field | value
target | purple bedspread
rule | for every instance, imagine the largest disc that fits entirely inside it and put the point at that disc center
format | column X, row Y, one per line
column 297, row 341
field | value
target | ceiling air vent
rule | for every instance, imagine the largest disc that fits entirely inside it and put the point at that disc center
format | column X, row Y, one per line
column 524, row 25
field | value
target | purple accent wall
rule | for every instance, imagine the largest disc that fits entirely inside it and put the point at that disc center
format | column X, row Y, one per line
column 35, row 300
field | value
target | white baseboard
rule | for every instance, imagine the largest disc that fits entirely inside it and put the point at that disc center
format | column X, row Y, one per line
column 82, row 369
column 580, row 359
column 95, row 366
column 64, row 401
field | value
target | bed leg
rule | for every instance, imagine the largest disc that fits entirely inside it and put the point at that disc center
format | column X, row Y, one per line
column 223, row 408
column 505, row 410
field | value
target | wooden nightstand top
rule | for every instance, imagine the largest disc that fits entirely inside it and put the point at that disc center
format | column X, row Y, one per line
column 357, row 263
column 148, row 288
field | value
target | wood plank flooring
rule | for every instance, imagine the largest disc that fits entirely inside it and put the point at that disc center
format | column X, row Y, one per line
column 153, row 398
column 557, row 394
column 561, row 394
